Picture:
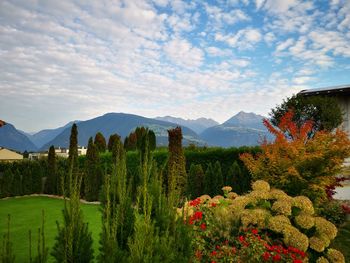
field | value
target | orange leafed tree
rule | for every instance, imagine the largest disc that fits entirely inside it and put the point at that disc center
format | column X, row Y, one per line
column 299, row 163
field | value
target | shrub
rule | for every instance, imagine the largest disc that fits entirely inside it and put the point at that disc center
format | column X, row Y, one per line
column 284, row 222
column 298, row 164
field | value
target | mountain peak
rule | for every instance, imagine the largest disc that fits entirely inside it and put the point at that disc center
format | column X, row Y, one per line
column 245, row 119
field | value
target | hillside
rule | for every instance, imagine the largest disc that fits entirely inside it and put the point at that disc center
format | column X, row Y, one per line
column 197, row 125
column 121, row 124
column 11, row 138
column 243, row 129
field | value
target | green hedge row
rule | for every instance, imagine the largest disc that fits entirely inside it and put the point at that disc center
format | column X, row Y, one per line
column 26, row 177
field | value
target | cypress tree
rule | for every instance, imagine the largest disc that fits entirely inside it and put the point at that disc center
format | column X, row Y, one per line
column 210, row 181
column 113, row 139
column 219, row 178
column 73, row 149
column 100, row 142
column 73, row 242
column 51, row 184
column 152, row 140
column 177, row 177
column 195, row 181
column 92, row 179
column 117, row 211
column 234, row 178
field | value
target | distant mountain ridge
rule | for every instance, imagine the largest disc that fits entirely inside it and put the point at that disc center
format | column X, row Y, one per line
column 122, row 124
column 12, row 139
column 44, row 136
column 243, row 129
column 197, row 125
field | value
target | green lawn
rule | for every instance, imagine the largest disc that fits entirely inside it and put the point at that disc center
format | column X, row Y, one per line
column 26, row 214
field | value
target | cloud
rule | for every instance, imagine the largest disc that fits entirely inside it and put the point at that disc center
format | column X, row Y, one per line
column 243, row 39
column 64, row 60
column 183, row 54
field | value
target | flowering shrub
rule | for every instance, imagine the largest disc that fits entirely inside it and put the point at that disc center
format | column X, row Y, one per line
column 263, row 225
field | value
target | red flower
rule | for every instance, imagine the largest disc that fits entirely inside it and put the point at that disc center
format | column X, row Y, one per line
column 203, row 226
column 213, row 253
column 255, row 231
column 297, row 261
column 266, row 256
column 195, row 202
column 198, row 215
column 213, row 204
column 276, row 257
column 217, row 247
column 241, row 238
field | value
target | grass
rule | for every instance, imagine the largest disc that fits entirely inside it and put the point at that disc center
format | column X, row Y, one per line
column 26, row 214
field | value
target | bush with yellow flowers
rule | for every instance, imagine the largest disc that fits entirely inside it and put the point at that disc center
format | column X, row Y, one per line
column 285, row 228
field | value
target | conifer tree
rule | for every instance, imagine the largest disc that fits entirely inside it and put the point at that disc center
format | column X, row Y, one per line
column 219, row 178
column 73, row 242
column 210, row 181
column 73, row 149
column 177, row 177
column 93, row 175
column 113, row 139
column 100, row 142
column 51, row 184
column 117, row 211
column 152, row 140
column 195, row 181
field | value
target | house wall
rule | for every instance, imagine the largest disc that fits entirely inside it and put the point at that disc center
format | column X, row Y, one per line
column 344, row 103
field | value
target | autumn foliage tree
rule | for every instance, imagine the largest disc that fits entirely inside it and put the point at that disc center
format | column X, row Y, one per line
column 296, row 163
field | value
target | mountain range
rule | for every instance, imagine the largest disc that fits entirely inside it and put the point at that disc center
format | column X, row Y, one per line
column 242, row 129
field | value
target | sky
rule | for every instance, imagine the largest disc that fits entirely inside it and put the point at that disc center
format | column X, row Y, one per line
column 76, row 60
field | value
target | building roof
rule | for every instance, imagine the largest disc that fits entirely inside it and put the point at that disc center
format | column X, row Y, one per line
column 334, row 90
column 6, row 154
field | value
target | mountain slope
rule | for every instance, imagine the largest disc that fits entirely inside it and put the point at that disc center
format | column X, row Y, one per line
column 122, row 124
column 44, row 136
column 197, row 125
column 243, row 129
column 11, row 138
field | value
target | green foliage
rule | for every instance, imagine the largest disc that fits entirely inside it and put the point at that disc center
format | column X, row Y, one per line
column 112, row 141
column 218, row 174
column 324, row 111
column 52, row 182
column 117, row 211
column 297, row 163
column 93, row 173
column 73, row 149
column 100, row 142
column 7, row 255
column 210, row 181
column 237, row 179
column 177, row 176
column 42, row 250
column 74, row 241
column 195, row 181
column 333, row 212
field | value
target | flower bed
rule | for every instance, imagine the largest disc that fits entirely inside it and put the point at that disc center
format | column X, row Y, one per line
column 265, row 225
